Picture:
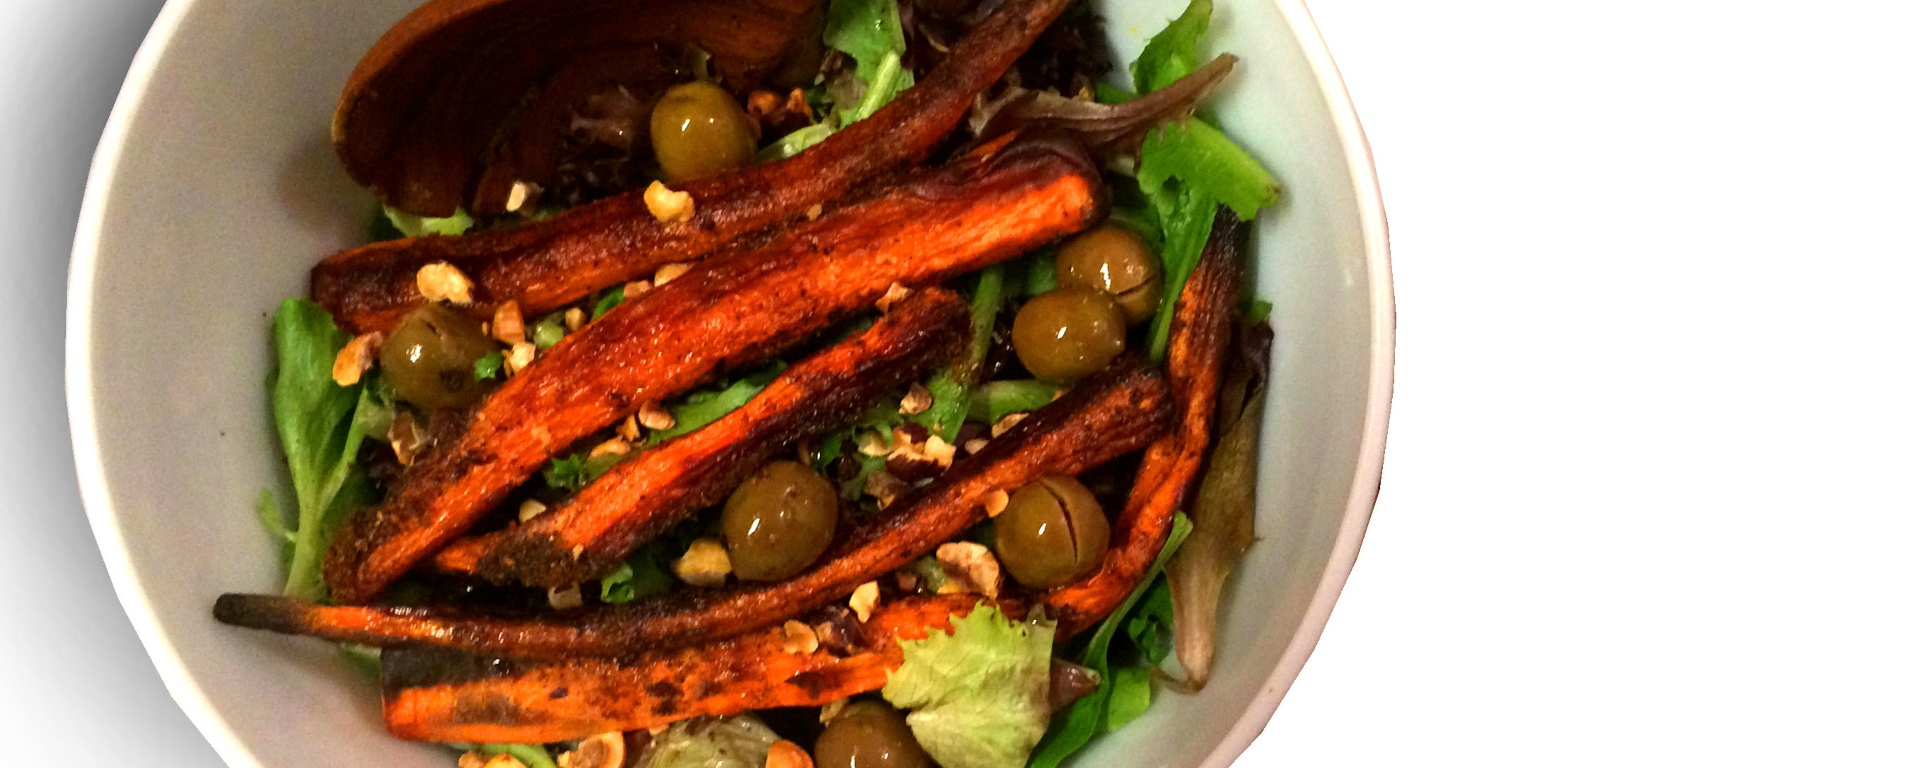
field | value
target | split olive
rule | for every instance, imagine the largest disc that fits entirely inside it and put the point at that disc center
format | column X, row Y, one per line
column 699, row 129
column 429, row 357
column 1114, row 261
column 869, row 734
column 779, row 521
column 1067, row 333
column 1052, row 532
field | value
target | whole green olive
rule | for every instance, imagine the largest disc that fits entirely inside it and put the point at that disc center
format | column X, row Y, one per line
column 429, row 357
column 779, row 521
column 1114, row 261
column 1052, row 532
column 1067, row 333
column 699, row 129
column 869, row 734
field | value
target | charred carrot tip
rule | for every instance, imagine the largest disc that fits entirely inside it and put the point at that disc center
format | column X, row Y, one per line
column 272, row 613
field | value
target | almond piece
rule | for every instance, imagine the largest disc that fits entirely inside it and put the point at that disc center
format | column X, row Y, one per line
column 356, row 358
column 441, row 281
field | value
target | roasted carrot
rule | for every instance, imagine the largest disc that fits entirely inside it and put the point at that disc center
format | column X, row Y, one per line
column 643, row 496
column 990, row 205
column 546, row 265
column 1116, row 412
column 1196, row 356
column 442, row 695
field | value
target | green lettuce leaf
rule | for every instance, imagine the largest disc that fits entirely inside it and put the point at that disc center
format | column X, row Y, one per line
column 979, row 695
column 488, row 366
column 321, row 425
column 640, row 576
column 529, row 755
column 1189, row 169
column 1072, row 729
column 869, row 31
column 1186, row 221
column 1175, row 52
column 571, row 473
column 1208, row 162
column 609, row 299
column 705, row 407
column 410, row 225
column 995, row 399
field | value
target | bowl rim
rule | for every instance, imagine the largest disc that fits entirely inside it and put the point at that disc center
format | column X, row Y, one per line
column 187, row 692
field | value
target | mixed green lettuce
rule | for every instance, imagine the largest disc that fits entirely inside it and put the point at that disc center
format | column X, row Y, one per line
column 978, row 696
column 1187, row 169
column 1125, row 689
column 321, row 426
column 869, row 32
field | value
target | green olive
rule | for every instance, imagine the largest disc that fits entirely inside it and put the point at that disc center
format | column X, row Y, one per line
column 1067, row 333
column 869, row 734
column 1052, row 532
column 779, row 521
column 429, row 357
column 699, row 129
column 1114, row 261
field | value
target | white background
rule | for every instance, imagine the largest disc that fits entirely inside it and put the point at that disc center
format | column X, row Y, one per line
column 1648, row 495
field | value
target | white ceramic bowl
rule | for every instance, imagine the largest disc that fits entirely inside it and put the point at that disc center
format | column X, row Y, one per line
column 215, row 189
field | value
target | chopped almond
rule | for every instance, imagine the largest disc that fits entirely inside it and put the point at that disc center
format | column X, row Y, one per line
column 652, row 416
column 629, row 429
column 970, row 569
column 575, row 318
column 666, row 204
column 614, row 447
column 705, row 564
column 786, row 754
column 441, row 281
column 635, row 290
column 894, row 294
column 356, row 358
column 865, row 598
column 520, row 356
column 669, row 272
column 870, row 443
column 521, row 194
column 565, row 599
column 406, row 437
column 996, row 503
column 976, row 445
column 1006, row 422
column 509, row 327
column 531, row 509
column 832, row 710
column 606, row 750
column 917, row 401
column 800, row 638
